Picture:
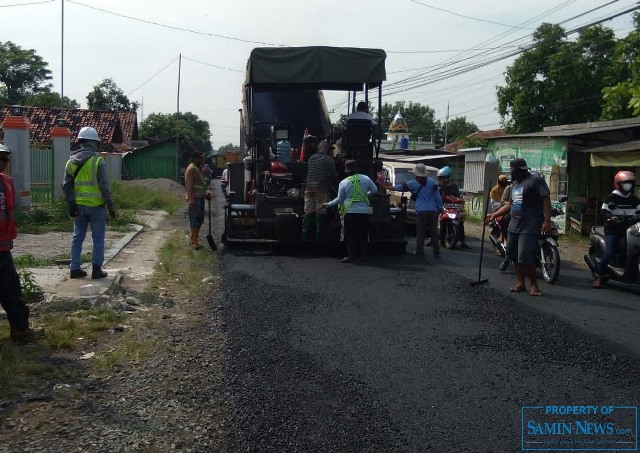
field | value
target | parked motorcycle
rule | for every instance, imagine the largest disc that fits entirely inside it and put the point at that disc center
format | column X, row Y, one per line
column 449, row 220
column 547, row 253
column 625, row 265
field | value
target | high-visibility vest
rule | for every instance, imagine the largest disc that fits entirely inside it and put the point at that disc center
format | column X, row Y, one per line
column 85, row 185
column 199, row 187
column 357, row 195
column 8, row 228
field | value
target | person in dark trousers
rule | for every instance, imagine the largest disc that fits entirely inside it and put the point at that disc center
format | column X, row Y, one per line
column 354, row 204
column 86, row 189
column 428, row 204
column 10, row 289
column 322, row 170
column 530, row 207
column 450, row 188
column 626, row 204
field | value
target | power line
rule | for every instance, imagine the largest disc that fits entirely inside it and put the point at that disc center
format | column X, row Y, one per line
column 153, row 76
column 186, row 30
column 26, row 4
column 212, row 65
column 466, row 17
column 441, row 51
column 438, row 76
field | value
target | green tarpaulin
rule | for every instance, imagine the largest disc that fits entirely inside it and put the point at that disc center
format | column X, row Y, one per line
column 322, row 68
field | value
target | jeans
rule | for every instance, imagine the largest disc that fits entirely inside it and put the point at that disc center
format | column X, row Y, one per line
column 97, row 218
column 11, row 294
column 610, row 241
column 196, row 213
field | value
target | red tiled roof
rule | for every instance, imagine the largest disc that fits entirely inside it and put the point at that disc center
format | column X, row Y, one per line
column 484, row 135
column 112, row 127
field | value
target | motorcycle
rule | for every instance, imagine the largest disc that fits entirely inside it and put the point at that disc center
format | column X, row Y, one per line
column 625, row 265
column 547, row 253
column 449, row 220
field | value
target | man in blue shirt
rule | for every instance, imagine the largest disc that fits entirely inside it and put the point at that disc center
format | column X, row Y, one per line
column 428, row 204
column 530, row 207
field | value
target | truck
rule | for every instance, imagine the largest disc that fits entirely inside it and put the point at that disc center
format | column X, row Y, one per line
column 282, row 100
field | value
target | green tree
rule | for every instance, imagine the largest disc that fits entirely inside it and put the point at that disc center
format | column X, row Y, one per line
column 108, row 96
column 50, row 99
column 21, row 72
column 227, row 147
column 458, row 128
column 163, row 125
column 558, row 81
column 621, row 98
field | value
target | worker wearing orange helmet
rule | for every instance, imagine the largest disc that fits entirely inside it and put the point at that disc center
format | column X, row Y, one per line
column 626, row 203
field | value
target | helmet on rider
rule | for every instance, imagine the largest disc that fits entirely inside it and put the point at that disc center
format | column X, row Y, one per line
column 624, row 181
column 88, row 133
column 444, row 174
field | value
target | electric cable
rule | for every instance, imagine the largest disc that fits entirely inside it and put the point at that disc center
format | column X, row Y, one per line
column 210, row 64
column 153, row 76
column 27, row 4
column 171, row 27
column 462, row 15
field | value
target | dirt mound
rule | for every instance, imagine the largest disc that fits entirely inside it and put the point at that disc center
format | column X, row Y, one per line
column 163, row 184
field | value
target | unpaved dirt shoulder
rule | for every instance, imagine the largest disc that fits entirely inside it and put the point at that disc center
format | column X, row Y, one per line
column 167, row 392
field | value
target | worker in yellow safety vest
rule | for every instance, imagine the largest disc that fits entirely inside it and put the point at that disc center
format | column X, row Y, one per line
column 195, row 187
column 353, row 196
column 86, row 189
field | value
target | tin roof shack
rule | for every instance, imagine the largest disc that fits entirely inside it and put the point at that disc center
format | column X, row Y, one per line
column 157, row 160
column 561, row 155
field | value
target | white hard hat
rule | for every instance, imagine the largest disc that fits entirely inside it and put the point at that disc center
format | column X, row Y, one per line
column 88, row 133
column 5, row 149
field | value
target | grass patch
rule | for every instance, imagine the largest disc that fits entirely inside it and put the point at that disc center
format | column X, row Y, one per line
column 20, row 367
column 126, row 350
column 63, row 332
column 29, row 260
column 143, row 198
column 187, row 265
column 127, row 199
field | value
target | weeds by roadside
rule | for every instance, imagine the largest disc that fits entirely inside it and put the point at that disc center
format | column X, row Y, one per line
column 182, row 272
column 28, row 260
column 127, row 199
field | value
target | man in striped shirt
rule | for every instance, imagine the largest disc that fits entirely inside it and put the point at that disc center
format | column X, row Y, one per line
column 321, row 171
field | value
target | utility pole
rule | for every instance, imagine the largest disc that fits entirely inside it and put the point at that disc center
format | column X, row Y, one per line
column 446, row 125
column 62, row 61
column 178, row 122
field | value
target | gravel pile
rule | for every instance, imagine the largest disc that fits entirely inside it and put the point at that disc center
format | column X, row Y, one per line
column 162, row 184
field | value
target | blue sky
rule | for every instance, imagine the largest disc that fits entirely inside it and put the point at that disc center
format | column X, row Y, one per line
column 142, row 57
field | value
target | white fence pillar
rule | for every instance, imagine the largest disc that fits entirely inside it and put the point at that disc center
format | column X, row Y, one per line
column 16, row 137
column 61, row 138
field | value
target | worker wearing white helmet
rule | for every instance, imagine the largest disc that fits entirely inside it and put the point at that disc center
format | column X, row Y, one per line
column 86, row 189
column 10, row 295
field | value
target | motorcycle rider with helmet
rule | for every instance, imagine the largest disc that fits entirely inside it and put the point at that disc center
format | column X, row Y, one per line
column 448, row 187
column 626, row 203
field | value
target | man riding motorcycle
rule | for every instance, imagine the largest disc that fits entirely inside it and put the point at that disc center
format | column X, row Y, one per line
column 448, row 187
column 626, row 203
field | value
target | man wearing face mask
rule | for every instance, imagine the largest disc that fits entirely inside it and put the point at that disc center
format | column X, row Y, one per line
column 530, row 206
column 626, row 203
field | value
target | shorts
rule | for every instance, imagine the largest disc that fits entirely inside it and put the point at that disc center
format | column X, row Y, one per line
column 313, row 200
column 196, row 213
column 521, row 247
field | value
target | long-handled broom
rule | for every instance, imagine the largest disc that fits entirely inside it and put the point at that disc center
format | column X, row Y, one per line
column 482, row 281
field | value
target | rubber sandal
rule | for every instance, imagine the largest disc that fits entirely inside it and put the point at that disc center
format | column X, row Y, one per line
column 596, row 285
column 535, row 292
column 518, row 289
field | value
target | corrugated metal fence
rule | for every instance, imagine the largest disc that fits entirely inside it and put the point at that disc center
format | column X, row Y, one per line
column 42, row 176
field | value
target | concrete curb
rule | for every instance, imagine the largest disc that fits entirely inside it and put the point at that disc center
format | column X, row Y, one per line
column 67, row 294
column 122, row 243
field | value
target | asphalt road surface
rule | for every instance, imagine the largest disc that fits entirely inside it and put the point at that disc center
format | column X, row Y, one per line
column 405, row 355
